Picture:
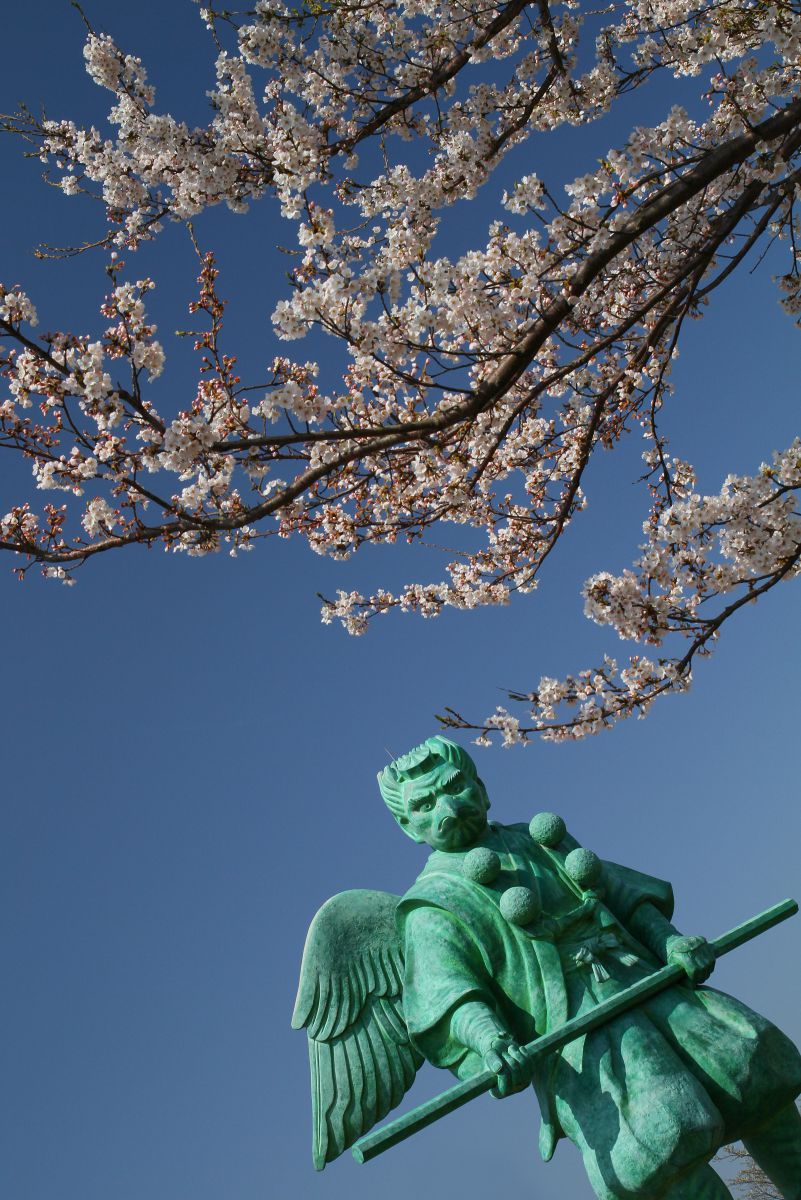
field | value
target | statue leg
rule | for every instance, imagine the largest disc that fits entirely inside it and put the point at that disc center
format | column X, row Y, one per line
column 700, row 1184
column 776, row 1150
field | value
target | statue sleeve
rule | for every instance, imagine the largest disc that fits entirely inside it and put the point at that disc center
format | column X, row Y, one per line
column 444, row 970
column 477, row 1027
column 627, row 889
column 654, row 930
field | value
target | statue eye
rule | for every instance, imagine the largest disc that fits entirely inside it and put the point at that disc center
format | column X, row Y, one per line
column 426, row 806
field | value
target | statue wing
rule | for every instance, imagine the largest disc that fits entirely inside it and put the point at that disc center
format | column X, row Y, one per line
column 350, row 1000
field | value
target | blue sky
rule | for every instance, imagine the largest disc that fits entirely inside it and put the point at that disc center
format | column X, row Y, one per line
column 190, row 756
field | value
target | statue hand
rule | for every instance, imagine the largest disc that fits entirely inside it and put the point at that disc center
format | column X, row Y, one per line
column 694, row 955
column 514, row 1070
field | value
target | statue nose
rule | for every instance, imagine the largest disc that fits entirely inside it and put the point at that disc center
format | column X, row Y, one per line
column 448, row 814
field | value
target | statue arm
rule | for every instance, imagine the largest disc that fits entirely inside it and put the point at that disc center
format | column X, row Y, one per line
column 655, row 931
column 448, row 999
column 476, row 1026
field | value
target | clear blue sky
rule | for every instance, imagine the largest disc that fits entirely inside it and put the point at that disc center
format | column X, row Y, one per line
column 190, row 756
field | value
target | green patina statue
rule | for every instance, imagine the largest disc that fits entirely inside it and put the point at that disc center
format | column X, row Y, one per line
column 510, row 934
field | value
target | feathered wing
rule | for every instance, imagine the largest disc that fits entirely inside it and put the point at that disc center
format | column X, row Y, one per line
column 350, row 1002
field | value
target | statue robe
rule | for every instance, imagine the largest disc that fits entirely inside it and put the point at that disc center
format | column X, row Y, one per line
column 646, row 1097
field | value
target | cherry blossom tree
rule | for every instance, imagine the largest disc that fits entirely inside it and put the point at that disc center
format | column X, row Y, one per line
column 477, row 388
column 750, row 1183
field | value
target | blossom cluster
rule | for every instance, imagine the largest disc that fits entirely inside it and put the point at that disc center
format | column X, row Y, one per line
column 737, row 544
column 478, row 384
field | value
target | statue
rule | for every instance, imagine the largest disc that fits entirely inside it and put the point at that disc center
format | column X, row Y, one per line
column 510, row 932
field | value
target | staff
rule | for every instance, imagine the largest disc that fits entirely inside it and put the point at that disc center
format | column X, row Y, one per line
column 425, row 1114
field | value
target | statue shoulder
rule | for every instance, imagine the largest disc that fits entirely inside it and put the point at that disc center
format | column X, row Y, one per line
column 443, row 885
column 435, row 880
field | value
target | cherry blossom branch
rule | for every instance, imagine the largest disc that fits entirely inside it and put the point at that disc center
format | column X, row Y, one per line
column 755, row 524
column 477, row 388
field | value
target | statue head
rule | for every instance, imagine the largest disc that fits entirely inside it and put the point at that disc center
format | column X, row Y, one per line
column 435, row 795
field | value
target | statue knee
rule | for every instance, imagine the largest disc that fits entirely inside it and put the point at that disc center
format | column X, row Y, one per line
column 679, row 1170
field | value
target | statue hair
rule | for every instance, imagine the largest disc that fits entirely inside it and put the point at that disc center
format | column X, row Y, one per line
column 420, row 761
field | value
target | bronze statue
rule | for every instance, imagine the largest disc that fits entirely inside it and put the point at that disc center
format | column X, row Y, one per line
column 515, row 938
